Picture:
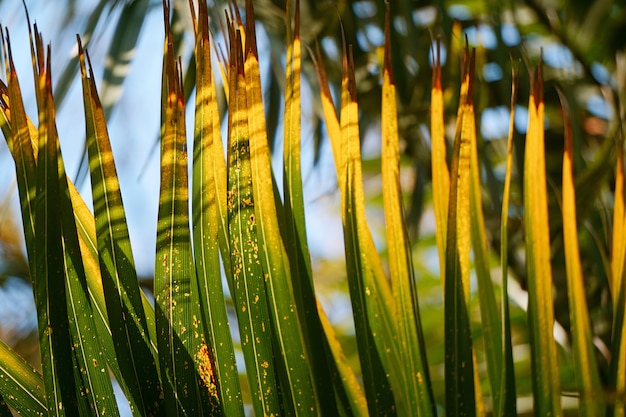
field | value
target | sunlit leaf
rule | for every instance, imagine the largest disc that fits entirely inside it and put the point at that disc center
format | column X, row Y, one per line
column 540, row 306
column 209, row 222
column 248, row 286
column 439, row 164
column 21, row 384
column 373, row 308
column 585, row 366
column 186, row 366
column 507, row 401
column 124, row 305
column 316, row 339
column 459, row 365
column 416, row 386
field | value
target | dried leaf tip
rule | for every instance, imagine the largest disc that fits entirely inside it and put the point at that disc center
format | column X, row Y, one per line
column 387, row 57
column 351, row 78
column 251, row 46
column 296, row 32
column 471, row 71
column 81, row 57
column 436, row 63
column 194, row 21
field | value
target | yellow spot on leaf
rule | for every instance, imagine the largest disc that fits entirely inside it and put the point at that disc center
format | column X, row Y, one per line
column 205, row 369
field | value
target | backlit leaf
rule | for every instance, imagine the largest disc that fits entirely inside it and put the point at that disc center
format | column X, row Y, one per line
column 540, row 308
column 585, row 366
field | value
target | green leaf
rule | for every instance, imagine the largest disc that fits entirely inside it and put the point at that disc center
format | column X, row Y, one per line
column 84, row 221
column 272, row 253
column 491, row 320
column 49, row 258
column 321, row 360
column 459, row 363
column 507, row 403
column 187, row 370
column 617, row 368
column 121, row 289
column 415, row 391
column 209, row 221
column 248, row 286
column 21, row 384
column 372, row 304
column 94, row 383
column 19, row 131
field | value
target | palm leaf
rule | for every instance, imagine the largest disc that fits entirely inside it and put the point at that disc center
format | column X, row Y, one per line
column 248, row 284
column 121, row 290
column 540, row 309
column 316, row 339
column 585, row 365
column 21, row 384
column 353, row 398
column 617, row 369
column 491, row 320
column 507, row 401
column 272, row 253
column 416, row 384
column 209, row 216
column 85, row 224
column 373, row 309
column 38, row 188
column 439, row 164
column 459, row 364
column 186, row 366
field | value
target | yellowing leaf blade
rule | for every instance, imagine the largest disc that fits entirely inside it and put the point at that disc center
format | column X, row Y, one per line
column 585, row 366
column 459, row 363
column 415, row 385
column 540, row 309
column 439, row 164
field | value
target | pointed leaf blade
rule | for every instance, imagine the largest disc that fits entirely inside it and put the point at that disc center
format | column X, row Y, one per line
column 540, row 308
column 210, row 221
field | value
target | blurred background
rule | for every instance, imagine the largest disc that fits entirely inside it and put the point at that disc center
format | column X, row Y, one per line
column 582, row 43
